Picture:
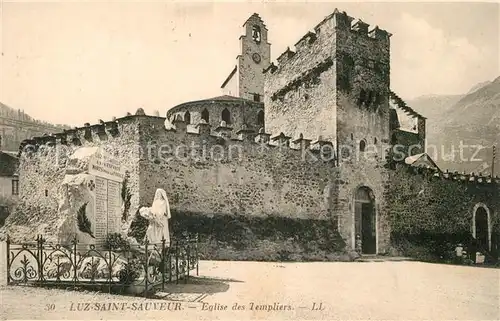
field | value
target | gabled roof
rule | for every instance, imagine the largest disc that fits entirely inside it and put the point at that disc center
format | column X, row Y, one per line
column 226, row 97
column 256, row 17
column 229, row 77
column 421, row 160
column 401, row 104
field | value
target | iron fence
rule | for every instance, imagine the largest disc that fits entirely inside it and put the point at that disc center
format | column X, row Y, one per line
column 128, row 268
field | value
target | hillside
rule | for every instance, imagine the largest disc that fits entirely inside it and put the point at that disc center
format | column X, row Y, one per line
column 472, row 118
column 434, row 106
column 479, row 86
column 15, row 126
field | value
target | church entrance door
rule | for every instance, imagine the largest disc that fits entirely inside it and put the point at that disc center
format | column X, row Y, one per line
column 482, row 229
column 365, row 220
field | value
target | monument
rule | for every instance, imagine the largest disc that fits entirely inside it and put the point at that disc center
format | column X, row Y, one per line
column 108, row 176
column 90, row 206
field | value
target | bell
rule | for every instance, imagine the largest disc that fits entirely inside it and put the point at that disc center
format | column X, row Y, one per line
column 256, row 35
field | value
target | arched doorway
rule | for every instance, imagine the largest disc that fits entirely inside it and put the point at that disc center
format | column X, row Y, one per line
column 481, row 229
column 365, row 223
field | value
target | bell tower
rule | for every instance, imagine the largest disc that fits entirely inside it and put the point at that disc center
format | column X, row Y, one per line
column 247, row 78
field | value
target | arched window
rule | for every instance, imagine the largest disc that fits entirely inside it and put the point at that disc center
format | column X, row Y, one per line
column 260, row 118
column 226, row 116
column 205, row 116
column 187, row 117
column 375, row 140
column 362, row 145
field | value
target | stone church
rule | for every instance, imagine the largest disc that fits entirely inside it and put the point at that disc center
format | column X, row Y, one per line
column 316, row 175
column 334, row 87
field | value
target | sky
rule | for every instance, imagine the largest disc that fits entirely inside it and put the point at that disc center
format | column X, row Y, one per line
column 76, row 62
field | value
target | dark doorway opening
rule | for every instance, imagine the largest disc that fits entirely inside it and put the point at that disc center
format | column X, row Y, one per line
column 365, row 220
column 482, row 229
column 205, row 116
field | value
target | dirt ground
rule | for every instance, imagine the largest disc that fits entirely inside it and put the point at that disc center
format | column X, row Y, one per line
column 287, row 291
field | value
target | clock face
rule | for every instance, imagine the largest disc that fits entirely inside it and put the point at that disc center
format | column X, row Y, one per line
column 256, row 57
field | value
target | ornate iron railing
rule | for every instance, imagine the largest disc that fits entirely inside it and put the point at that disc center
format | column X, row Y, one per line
column 128, row 269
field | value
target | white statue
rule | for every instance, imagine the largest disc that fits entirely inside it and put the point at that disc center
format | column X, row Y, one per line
column 157, row 215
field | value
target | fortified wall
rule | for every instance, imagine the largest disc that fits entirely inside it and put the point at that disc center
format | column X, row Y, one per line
column 254, row 174
column 302, row 188
column 44, row 164
column 256, row 177
column 299, row 92
column 430, row 211
column 335, row 84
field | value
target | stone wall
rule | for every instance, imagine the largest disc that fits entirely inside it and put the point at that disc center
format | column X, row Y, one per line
column 256, row 185
column 409, row 144
column 241, row 112
column 249, row 179
column 363, row 65
column 430, row 213
column 43, row 167
column 300, row 90
column 363, row 170
column 251, row 185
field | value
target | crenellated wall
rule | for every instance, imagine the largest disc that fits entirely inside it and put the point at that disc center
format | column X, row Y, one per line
column 335, row 84
column 255, row 176
column 237, row 176
column 43, row 164
column 286, row 190
column 255, row 179
column 431, row 211
column 300, row 89
column 316, row 88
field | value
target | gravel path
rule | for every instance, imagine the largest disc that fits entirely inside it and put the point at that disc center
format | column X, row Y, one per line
column 287, row 291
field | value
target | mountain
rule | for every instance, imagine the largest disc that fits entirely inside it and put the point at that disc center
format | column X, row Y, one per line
column 479, row 86
column 433, row 106
column 16, row 125
column 463, row 125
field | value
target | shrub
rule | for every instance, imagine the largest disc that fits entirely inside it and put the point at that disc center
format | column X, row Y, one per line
column 138, row 227
column 130, row 272
column 115, row 241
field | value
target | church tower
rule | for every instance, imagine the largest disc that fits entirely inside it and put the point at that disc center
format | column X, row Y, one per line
column 246, row 80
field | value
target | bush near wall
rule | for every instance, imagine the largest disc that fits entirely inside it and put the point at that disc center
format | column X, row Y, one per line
column 430, row 216
column 4, row 212
column 7, row 205
column 229, row 237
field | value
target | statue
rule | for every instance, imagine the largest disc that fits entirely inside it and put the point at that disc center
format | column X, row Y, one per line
column 157, row 215
column 358, row 244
